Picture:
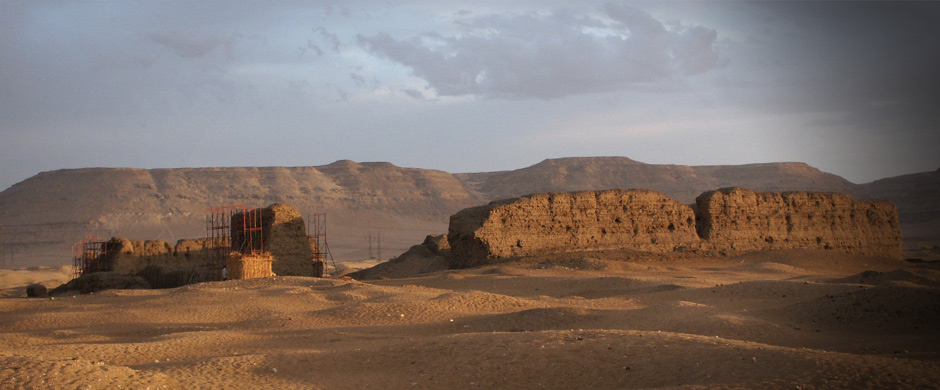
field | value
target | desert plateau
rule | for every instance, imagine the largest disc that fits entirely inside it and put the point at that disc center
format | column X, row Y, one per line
column 600, row 289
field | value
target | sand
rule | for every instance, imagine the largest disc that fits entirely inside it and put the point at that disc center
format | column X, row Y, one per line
column 13, row 282
column 787, row 320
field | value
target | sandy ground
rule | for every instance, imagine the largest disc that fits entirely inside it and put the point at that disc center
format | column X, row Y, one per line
column 788, row 320
column 13, row 282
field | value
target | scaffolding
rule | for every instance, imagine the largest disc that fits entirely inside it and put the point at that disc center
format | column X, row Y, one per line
column 247, row 231
column 88, row 255
column 322, row 257
column 235, row 228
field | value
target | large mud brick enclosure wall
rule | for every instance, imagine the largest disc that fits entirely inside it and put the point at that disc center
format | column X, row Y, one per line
column 743, row 220
column 564, row 222
column 132, row 256
column 284, row 237
column 732, row 219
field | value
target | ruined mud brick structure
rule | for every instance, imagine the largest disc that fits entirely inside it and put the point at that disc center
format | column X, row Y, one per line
column 284, row 236
column 132, row 256
column 566, row 222
column 739, row 219
column 249, row 265
column 727, row 220
column 284, row 240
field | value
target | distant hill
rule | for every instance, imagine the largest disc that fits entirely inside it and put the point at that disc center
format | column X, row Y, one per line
column 42, row 216
column 918, row 199
column 680, row 182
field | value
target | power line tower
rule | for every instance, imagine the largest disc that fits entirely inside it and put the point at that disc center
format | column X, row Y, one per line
column 377, row 239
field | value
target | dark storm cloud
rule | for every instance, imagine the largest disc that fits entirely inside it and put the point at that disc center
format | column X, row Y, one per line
column 874, row 62
column 551, row 55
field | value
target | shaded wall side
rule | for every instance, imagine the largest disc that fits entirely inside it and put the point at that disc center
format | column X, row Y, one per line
column 467, row 249
column 284, row 236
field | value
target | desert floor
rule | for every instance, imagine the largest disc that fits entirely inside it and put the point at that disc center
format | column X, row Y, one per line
column 789, row 319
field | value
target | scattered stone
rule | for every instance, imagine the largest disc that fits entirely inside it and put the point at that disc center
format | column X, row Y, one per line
column 36, row 290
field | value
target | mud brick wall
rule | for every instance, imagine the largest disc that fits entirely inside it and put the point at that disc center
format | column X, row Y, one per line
column 739, row 219
column 284, row 236
column 131, row 256
column 731, row 220
column 563, row 222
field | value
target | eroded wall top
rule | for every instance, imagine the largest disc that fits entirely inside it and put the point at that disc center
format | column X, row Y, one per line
column 563, row 222
column 727, row 220
column 739, row 219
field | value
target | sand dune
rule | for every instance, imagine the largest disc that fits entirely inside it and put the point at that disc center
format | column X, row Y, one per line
column 13, row 282
column 794, row 319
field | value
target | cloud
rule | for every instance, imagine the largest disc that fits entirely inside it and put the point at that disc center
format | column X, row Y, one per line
column 551, row 55
column 189, row 45
column 869, row 64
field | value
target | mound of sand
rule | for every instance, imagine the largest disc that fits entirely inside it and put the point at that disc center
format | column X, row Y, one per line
column 419, row 259
column 899, row 277
column 99, row 281
column 769, row 321
column 13, row 282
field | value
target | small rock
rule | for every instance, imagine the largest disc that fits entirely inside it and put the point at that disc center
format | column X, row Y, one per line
column 36, row 290
column 274, row 370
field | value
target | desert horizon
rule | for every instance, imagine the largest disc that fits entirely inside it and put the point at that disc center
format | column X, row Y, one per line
column 602, row 194
column 42, row 217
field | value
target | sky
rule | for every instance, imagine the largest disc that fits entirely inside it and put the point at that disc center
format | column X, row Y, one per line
column 852, row 88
